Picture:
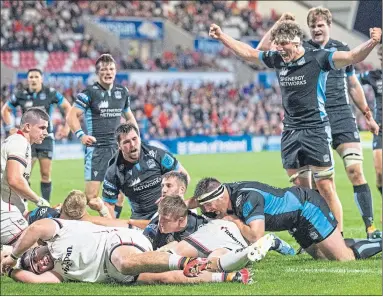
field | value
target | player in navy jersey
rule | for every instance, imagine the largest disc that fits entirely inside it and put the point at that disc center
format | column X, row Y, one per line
column 102, row 105
column 306, row 139
column 345, row 134
column 136, row 170
column 39, row 95
column 374, row 79
column 255, row 208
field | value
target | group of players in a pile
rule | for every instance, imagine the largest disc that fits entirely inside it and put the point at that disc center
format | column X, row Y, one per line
column 164, row 240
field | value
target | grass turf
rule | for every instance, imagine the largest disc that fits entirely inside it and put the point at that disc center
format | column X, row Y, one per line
column 276, row 274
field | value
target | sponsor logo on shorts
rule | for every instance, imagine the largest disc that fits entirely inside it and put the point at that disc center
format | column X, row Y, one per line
column 313, row 235
column 356, row 135
column 148, row 184
column 95, row 173
column 326, row 158
column 21, row 221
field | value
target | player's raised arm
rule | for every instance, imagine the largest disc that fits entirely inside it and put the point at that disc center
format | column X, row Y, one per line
column 241, row 49
column 342, row 59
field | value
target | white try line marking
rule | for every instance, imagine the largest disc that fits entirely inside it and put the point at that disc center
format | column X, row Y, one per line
column 333, row 270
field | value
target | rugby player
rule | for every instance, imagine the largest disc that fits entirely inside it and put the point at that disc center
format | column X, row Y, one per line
column 136, row 170
column 374, row 79
column 39, row 95
column 345, row 133
column 102, row 105
column 15, row 172
column 255, row 208
column 118, row 255
column 302, row 76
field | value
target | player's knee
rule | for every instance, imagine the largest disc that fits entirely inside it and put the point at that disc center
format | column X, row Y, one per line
column 355, row 174
column 352, row 156
column 323, row 174
column 300, row 176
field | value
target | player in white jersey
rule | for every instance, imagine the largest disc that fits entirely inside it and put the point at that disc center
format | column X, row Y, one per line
column 15, row 172
column 82, row 251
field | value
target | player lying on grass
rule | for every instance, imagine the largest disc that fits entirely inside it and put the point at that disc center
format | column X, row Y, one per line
column 82, row 251
column 184, row 233
column 255, row 208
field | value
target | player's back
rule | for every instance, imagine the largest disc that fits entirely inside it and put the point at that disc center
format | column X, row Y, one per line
column 102, row 111
column 79, row 248
column 17, row 148
column 279, row 207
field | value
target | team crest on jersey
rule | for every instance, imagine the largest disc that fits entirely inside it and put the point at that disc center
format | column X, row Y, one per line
column 103, row 104
column 43, row 96
column 117, row 94
column 153, row 153
column 151, row 164
column 102, row 94
column 28, row 104
column 283, row 71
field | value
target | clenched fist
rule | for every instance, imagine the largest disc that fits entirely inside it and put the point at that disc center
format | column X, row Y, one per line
column 215, row 31
column 376, row 34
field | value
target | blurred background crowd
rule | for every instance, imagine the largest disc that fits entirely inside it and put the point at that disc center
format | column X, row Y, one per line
column 162, row 109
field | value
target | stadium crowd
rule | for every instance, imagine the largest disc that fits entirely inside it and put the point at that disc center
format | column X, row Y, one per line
column 166, row 110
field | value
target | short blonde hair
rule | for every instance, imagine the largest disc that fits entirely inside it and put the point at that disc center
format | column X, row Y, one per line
column 74, row 205
column 316, row 12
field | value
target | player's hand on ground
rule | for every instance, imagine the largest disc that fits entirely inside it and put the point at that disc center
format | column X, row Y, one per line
column 287, row 16
column 6, row 264
column 215, row 31
column 42, row 202
column 88, row 140
column 372, row 126
column 376, row 34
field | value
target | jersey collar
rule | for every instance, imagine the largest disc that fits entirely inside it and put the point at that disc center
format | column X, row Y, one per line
column 20, row 132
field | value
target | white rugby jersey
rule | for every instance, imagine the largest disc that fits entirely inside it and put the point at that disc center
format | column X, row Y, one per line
column 79, row 250
column 15, row 147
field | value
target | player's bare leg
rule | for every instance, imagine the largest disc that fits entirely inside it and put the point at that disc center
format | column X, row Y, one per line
column 377, row 154
column 177, row 277
column 92, row 189
column 334, row 248
column 129, row 260
column 300, row 177
column 324, row 180
column 352, row 156
column 45, row 172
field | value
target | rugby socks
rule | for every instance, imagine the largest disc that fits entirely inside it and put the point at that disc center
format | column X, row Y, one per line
column 380, row 190
column 46, row 189
column 177, row 262
column 117, row 211
column 233, row 260
column 363, row 200
column 365, row 248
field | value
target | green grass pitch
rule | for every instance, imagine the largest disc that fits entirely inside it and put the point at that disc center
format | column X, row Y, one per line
column 276, row 274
